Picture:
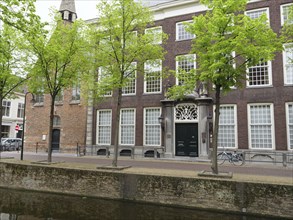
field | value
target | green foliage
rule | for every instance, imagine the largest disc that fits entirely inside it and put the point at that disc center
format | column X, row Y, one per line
column 120, row 41
column 228, row 42
column 61, row 57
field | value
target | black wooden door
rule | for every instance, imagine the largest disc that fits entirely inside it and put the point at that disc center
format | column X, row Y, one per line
column 186, row 140
column 56, row 139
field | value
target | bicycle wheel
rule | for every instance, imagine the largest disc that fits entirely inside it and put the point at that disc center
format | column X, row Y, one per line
column 237, row 159
column 222, row 157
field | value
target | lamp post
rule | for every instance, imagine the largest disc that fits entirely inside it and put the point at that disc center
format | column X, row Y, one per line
column 23, row 123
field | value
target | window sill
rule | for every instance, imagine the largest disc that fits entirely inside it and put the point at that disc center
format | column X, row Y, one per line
column 74, row 102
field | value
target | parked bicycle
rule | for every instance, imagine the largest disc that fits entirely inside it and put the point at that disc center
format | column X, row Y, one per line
column 233, row 157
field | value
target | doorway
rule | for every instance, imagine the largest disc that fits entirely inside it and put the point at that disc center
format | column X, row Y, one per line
column 56, row 140
column 186, row 139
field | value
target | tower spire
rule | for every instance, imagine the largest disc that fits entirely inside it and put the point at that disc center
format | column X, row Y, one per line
column 67, row 10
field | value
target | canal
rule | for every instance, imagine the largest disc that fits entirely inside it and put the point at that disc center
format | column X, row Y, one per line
column 27, row 205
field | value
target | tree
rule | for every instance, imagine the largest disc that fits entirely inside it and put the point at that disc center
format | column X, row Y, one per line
column 62, row 57
column 14, row 62
column 121, row 42
column 228, row 42
column 20, row 14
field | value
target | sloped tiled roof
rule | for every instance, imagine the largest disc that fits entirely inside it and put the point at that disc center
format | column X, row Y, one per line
column 67, row 5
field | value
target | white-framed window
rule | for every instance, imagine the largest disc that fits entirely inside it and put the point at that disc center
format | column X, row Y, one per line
column 6, row 106
column 156, row 33
column 256, row 13
column 288, row 64
column 227, row 136
column 130, row 87
column 104, row 119
column 75, row 93
column 184, row 64
column 59, row 97
column 260, row 75
column 103, row 72
column 39, row 99
column 127, row 127
column 261, row 127
column 20, row 110
column 285, row 14
column 152, row 127
column 289, row 116
column 181, row 33
column 56, row 121
column 153, row 79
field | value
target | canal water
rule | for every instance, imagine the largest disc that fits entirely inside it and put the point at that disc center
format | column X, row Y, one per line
column 26, row 205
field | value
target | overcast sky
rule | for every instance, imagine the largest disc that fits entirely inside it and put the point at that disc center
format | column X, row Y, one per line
column 85, row 9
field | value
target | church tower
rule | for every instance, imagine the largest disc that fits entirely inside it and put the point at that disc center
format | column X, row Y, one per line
column 67, row 10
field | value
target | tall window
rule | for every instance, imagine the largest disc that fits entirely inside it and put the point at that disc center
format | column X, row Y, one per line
column 59, row 97
column 156, row 33
column 260, row 75
column 261, row 126
column 39, row 99
column 104, row 119
column 289, row 108
column 75, row 93
column 129, row 88
column 103, row 72
column 181, row 33
column 127, row 127
column 257, row 13
column 20, row 110
column 227, row 136
column 153, row 79
column 152, row 128
column 285, row 14
column 288, row 64
column 184, row 64
column 6, row 105
column 56, row 121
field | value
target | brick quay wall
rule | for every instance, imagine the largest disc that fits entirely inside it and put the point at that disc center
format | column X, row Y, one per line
column 202, row 193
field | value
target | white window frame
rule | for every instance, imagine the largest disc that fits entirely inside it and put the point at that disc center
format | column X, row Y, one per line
column 191, row 36
column 269, row 65
column 75, row 93
column 157, row 124
column 20, row 110
column 147, row 65
column 187, row 57
column 282, row 12
column 132, row 81
column 272, row 126
column 234, row 124
column 155, row 29
column 289, row 123
column 260, row 9
column 100, row 77
column 6, row 108
column 127, row 125
column 286, row 63
column 98, row 127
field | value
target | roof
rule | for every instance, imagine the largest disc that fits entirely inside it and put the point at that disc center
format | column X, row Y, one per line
column 67, row 5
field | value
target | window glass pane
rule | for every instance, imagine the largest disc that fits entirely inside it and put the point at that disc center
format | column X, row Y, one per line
column 182, row 34
column 261, row 127
column 6, row 105
column 185, row 64
column 259, row 74
column 288, row 64
column 290, row 125
column 130, row 75
column 20, row 110
column 104, row 127
column 127, row 129
column 152, row 127
column 227, row 127
column 156, row 33
column 153, row 76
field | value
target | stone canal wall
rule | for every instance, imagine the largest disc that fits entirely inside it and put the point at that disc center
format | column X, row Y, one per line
column 203, row 193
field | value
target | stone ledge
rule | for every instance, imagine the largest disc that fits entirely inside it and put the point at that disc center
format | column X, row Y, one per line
column 222, row 175
column 108, row 167
column 45, row 162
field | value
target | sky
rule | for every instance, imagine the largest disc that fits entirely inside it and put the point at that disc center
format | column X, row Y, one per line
column 85, row 9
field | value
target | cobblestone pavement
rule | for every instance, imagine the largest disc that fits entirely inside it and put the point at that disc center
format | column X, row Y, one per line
column 250, row 172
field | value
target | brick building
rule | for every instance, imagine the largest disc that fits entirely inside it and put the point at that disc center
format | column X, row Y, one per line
column 258, row 117
column 69, row 125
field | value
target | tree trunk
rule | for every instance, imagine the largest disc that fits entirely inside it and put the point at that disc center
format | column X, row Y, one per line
column 215, row 132
column 116, row 132
column 50, row 133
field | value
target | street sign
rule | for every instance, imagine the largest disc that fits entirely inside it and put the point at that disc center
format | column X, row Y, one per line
column 16, row 127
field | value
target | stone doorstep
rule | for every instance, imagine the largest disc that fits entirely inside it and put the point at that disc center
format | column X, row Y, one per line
column 223, row 175
column 109, row 167
column 45, row 162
